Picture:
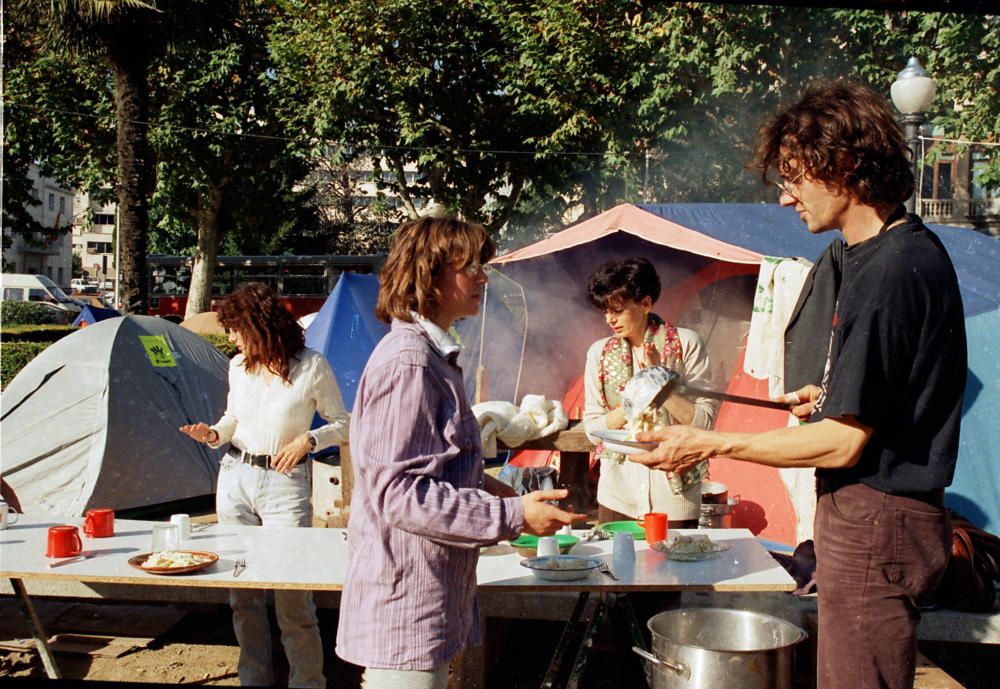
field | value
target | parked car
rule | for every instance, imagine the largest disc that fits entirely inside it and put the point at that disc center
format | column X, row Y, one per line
column 78, row 284
column 37, row 288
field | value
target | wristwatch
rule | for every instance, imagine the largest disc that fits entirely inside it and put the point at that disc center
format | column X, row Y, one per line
column 312, row 442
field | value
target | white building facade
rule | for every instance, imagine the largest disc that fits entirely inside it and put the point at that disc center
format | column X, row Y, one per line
column 42, row 253
column 94, row 238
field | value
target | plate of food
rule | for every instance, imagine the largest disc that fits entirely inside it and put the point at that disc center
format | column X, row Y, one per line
column 173, row 561
column 693, row 548
column 618, row 441
column 562, row 567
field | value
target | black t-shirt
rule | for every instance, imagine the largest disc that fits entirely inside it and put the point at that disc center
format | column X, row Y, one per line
column 898, row 360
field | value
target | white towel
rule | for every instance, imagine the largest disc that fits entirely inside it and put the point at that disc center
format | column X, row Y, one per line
column 778, row 287
column 537, row 417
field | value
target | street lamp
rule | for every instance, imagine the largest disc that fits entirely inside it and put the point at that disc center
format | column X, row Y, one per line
column 912, row 93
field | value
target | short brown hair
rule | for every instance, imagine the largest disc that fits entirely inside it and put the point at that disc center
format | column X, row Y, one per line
column 420, row 250
column 843, row 135
column 271, row 335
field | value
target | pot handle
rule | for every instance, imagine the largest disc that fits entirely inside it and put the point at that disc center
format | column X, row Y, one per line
column 676, row 666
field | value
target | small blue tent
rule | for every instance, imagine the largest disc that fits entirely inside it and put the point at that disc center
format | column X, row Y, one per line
column 93, row 314
column 346, row 330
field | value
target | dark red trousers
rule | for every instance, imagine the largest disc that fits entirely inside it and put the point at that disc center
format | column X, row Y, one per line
column 877, row 555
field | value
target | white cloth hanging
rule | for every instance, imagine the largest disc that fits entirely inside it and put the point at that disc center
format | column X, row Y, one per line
column 778, row 286
column 537, row 417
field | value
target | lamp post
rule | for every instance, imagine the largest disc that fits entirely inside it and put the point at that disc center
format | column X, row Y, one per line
column 912, row 93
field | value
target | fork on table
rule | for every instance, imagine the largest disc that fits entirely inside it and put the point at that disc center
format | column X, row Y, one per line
column 238, row 568
column 604, row 569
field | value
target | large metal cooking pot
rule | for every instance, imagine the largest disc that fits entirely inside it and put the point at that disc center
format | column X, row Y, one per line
column 714, row 493
column 717, row 516
column 714, row 647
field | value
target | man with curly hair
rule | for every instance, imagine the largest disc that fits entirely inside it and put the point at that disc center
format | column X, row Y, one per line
column 883, row 423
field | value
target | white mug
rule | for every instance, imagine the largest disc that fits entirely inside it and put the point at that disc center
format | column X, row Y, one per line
column 165, row 537
column 566, row 530
column 7, row 515
column 547, row 545
column 183, row 523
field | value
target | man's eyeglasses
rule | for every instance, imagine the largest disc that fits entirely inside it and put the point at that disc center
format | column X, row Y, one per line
column 785, row 185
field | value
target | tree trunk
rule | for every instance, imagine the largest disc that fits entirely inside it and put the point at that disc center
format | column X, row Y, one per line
column 136, row 176
column 209, row 239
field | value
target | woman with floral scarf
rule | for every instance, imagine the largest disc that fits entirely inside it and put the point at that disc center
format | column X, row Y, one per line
column 626, row 291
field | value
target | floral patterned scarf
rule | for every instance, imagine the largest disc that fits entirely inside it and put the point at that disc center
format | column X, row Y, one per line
column 616, row 368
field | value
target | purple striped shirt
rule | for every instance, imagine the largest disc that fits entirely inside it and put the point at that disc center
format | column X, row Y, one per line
column 418, row 511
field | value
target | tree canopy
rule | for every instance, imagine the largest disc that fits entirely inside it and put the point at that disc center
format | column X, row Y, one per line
column 245, row 118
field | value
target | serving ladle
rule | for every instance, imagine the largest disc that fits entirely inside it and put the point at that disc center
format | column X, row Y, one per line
column 657, row 383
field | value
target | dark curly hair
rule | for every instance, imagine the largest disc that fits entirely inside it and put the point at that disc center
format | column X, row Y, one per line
column 843, row 135
column 616, row 281
column 271, row 335
column 420, row 250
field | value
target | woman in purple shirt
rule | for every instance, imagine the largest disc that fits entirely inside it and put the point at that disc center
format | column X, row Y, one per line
column 422, row 506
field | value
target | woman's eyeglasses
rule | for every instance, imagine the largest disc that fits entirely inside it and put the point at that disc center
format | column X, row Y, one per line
column 472, row 270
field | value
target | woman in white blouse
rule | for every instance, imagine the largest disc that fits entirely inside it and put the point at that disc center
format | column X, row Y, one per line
column 276, row 386
column 626, row 291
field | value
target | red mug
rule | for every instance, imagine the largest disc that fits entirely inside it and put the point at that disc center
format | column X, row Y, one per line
column 655, row 525
column 64, row 541
column 99, row 523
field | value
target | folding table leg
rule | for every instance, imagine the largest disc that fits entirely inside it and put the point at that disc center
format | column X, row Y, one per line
column 563, row 647
column 631, row 621
column 626, row 615
column 583, row 655
column 48, row 661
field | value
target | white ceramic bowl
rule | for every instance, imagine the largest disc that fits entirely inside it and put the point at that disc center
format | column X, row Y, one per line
column 561, row 567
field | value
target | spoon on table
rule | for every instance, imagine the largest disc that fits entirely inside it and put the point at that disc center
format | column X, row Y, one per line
column 76, row 558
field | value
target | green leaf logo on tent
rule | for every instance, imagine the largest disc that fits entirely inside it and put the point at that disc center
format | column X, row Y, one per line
column 157, row 350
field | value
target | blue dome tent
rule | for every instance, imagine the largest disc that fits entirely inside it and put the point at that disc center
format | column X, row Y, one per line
column 346, row 330
column 93, row 314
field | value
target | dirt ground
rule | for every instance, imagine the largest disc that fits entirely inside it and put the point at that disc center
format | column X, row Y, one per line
column 200, row 648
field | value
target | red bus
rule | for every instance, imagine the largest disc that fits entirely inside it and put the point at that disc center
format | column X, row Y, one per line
column 302, row 282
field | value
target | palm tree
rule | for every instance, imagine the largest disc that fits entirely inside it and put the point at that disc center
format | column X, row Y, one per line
column 129, row 35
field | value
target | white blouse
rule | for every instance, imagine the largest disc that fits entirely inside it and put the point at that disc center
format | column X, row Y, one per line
column 264, row 413
column 632, row 488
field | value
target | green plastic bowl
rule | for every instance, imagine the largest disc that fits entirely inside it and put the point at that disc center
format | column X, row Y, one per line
column 638, row 533
column 527, row 545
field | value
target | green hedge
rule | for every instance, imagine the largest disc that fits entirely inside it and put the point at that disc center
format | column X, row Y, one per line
column 15, row 354
column 222, row 343
column 35, row 333
column 31, row 313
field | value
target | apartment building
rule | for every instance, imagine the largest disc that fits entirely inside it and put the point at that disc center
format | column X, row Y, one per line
column 43, row 253
column 947, row 191
column 94, row 237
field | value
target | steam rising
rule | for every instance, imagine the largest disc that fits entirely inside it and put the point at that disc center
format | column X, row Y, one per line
column 532, row 333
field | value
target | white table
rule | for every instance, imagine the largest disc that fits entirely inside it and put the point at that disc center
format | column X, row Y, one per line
column 316, row 560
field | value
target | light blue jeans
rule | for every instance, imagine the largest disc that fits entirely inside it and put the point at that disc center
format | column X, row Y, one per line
column 254, row 496
column 377, row 678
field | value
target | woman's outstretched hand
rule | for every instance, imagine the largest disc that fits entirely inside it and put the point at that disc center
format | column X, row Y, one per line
column 201, row 432
column 543, row 519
